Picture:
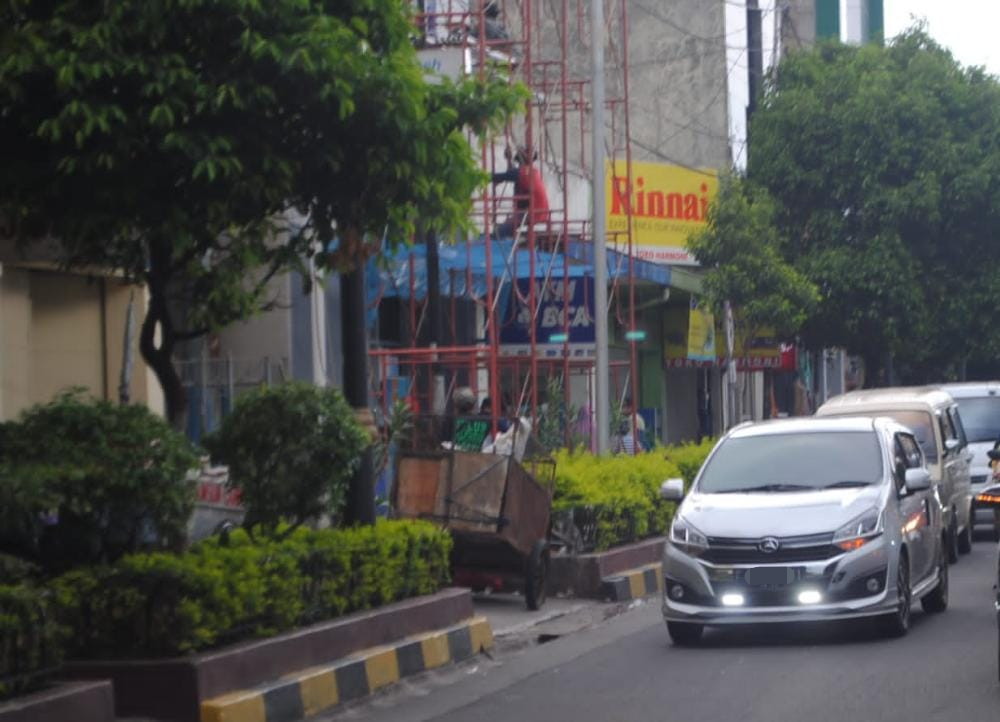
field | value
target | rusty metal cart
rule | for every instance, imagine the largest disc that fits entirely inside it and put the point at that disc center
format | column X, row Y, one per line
column 497, row 509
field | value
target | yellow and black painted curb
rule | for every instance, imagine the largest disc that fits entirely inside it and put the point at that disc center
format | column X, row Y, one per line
column 311, row 691
column 634, row 583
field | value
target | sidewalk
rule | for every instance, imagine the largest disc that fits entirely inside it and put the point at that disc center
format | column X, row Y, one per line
column 509, row 617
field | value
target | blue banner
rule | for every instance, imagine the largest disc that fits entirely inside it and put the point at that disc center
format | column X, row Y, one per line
column 550, row 324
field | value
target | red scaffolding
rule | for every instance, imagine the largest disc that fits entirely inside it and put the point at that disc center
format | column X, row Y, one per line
column 544, row 45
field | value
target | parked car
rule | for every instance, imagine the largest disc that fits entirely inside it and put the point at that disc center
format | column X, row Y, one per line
column 807, row 519
column 979, row 405
column 935, row 419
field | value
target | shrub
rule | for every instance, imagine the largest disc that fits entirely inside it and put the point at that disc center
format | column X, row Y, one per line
column 620, row 494
column 291, row 450
column 85, row 482
column 616, row 499
column 225, row 591
column 690, row 457
column 30, row 641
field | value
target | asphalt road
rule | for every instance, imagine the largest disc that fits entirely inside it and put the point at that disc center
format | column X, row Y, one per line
column 627, row 669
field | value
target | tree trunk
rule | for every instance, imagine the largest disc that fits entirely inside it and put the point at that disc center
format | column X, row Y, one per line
column 360, row 507
column 160, row 358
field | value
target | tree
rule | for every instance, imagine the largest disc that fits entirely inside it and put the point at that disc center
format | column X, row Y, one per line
column 884, row 163
column 741, row 249
column 202, row 146
column 291, row 450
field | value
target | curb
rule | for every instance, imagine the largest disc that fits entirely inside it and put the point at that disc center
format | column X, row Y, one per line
column 315, row 690
column 634, row 583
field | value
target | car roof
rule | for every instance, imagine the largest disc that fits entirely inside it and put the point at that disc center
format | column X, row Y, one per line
column 809, row 424
column 972, row 389
column 896, row 397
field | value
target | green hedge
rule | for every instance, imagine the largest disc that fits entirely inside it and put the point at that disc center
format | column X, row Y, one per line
column 31, row 643
column 164, row 604
column 689, row 457
column 619, row 496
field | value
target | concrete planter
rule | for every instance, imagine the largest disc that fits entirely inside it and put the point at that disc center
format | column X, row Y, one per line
column 67, row 702
column 173, row 689
column 583, row 575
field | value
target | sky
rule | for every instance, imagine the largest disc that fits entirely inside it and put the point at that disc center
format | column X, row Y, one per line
column 966, row 27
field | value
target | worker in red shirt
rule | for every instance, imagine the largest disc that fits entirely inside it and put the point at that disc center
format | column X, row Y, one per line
column 529, row 192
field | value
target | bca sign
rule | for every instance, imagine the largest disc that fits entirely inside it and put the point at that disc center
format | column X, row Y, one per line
column 554, row 313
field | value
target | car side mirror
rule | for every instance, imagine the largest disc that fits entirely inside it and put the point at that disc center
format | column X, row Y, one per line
column 917, row 479
column 672, row 490
column 951, row 446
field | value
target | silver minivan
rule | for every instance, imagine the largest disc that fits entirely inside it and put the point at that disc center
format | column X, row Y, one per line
column 979, row 404
column 806, row 519
column 936, row 421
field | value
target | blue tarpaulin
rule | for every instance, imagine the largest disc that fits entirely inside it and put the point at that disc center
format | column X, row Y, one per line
column 460, row 262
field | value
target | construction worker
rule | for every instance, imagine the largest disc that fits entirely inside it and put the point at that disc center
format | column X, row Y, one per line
column 529, row 191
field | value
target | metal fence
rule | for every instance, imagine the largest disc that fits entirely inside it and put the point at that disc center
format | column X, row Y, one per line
column 212, row 386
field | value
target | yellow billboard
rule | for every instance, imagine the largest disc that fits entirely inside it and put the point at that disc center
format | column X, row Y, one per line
column 666, row 203
column 701, row 332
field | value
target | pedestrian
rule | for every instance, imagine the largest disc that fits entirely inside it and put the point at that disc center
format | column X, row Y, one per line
column 529, row 191
column 627, row 442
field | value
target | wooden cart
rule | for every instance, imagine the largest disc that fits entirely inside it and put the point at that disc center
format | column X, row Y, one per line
column 497, row 509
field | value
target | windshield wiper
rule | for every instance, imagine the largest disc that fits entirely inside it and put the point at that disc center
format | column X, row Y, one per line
column 847, row 484
column 770, row 487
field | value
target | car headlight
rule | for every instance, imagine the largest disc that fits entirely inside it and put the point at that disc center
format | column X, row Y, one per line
column 858, row 532
column 686, row 538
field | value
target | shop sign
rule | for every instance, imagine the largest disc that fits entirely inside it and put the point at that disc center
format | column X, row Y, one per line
column 551, row 335
column 666, row 204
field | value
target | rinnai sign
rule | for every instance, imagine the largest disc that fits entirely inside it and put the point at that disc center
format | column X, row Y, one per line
column 552, row 318
column 666, row 203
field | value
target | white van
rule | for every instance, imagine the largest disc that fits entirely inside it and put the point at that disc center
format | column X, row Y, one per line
column 979, row 405
column 934, row 417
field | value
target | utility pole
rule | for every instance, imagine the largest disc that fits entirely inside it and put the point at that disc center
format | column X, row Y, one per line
column 755, row 62
column 602, row 399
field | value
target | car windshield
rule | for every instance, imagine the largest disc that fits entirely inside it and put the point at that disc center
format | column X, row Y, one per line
column 981, row 418
column 793, row 461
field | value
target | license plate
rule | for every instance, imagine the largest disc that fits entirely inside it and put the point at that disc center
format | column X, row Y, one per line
column 769, row 576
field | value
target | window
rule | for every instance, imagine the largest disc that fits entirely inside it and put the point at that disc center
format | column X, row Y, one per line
column 956, row 421
column 906, row 455
column 912, row 450
column 948, row 432
column 808, row 460
column 919, row 422
column 980, row 417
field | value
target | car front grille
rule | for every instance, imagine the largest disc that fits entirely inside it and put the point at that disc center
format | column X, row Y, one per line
column 979, row 479
column 816, row 547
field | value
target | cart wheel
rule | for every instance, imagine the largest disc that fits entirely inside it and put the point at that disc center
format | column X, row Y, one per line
column 536, row 574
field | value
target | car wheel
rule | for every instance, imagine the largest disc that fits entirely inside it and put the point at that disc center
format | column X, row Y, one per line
column 996, row 525
column 685, row 634
column 965, row 538
column 897, row 624
column 937, row 600
column 953, row 539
